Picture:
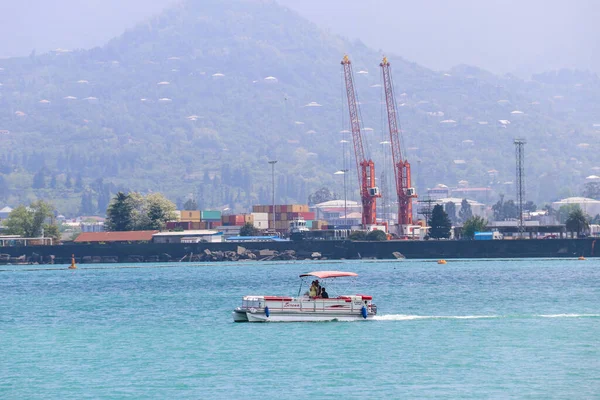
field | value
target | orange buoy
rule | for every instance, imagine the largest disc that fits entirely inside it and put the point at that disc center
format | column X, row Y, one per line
column 441, row 261
column 581, row 258
column 73, row 265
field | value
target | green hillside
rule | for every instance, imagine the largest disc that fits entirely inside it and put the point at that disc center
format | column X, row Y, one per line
column 181, row 104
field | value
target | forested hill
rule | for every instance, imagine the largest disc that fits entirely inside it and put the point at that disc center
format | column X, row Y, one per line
column 195, row 102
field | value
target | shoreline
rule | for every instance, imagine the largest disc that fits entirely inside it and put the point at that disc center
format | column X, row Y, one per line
column 302, row 250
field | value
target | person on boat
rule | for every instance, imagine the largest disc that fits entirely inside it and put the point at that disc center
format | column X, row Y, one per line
column 312, row 292
column 324, row 294
column 318, row 288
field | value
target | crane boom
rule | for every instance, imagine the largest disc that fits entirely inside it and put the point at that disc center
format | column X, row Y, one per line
column 401, row 166
column 366, row 168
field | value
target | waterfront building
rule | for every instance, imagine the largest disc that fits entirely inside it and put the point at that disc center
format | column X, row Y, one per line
column 196, row 236
column 4, row 212
column 589, row 206
column 115, row 237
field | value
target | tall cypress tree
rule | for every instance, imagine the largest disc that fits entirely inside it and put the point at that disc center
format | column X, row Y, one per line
column 53, row 181
column 68, row 182
column 78, row 183
column 465, row 211
column 3, row 188
column 119, row 216
column 87, row 206
column 39, row 180
column 439, row 223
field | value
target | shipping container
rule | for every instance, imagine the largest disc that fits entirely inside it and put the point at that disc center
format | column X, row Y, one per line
column 190, row 215
column 235, row 219
column 298, row 208
column 196, row 225
column 305, row 215
column 211, row 216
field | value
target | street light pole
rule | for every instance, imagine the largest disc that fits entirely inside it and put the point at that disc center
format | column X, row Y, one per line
column 273, row 162
column 345, row 200
column 343, row 172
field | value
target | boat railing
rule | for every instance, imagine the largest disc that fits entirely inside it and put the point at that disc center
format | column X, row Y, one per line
column 254, row 303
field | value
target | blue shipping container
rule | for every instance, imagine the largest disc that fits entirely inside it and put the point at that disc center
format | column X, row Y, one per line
column 484, row 235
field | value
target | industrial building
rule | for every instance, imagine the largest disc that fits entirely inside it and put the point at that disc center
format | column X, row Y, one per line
column 195, row 236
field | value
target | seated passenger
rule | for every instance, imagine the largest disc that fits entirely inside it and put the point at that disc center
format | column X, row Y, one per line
column 318, row 288
column 324, row 294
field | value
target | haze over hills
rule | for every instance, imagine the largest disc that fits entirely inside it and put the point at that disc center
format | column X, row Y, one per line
column 509, row 36
column 198, row 99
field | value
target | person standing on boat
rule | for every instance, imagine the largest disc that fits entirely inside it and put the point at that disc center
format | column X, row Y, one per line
column 312, row 292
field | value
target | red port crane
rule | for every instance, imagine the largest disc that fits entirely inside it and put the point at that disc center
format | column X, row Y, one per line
column 366, row 168
column 401, row 167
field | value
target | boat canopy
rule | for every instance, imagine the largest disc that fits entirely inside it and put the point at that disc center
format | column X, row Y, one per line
column 329, row 274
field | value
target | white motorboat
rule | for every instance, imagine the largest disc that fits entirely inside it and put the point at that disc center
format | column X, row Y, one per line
column 305, row 308
column 298, row 226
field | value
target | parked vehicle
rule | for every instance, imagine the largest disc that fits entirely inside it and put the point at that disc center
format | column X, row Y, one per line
column 488, row 236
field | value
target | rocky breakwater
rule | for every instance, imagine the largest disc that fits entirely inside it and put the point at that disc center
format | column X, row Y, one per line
column 202, row 255
column 242, row 254
column 34, row 258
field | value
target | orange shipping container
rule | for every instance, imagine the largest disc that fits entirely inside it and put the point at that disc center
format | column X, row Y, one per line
column 190, row 215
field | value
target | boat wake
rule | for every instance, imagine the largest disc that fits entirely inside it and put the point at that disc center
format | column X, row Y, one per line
column 570, row 316
column 402, row 317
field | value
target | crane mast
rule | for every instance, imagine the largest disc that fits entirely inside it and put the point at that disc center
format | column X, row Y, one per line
column 366, row 168
column 401, row 167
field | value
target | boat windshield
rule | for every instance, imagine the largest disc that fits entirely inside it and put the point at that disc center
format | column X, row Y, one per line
column 251, row 302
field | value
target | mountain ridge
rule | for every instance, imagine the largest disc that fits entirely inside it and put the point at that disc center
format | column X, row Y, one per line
column 209, row 61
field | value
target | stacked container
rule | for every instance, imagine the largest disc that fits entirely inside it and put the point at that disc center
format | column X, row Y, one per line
column 237, row 219
column 284, row 214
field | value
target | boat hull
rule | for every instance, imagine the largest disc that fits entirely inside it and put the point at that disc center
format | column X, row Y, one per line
column 239, row 315
column 303, row 317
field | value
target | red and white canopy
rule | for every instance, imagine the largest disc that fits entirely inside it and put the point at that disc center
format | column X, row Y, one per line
column 329, row 274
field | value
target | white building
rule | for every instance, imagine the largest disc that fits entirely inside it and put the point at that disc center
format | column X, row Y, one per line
column 333, row 211
column 4, row 212
column 230, row 230
column 195, row 236
column 589, row 206
column 477, row 208
column 440, row 191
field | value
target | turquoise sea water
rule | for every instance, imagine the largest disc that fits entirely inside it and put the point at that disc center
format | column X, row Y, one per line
column 469, row 329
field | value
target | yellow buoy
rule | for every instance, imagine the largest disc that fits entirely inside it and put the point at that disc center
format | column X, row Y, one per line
column 441, row 261
column 73, row 265
column 581, row 258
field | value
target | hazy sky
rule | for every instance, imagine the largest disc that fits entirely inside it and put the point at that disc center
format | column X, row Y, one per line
column 520, row 36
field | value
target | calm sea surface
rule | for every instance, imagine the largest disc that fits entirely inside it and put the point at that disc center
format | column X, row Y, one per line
column 469, row 329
